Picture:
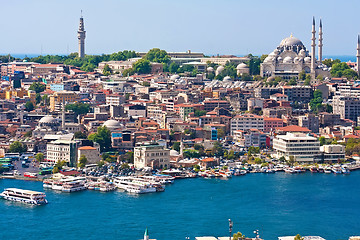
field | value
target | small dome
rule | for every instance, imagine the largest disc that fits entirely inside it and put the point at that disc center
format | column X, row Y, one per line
column 227, row 78
column 272, row 54
column 302, row 53
column 112, row 124
column 220, row 69
column 268, row 59
column 174, row 77
column 242, row 66
column 174, row 153
column 48, row 119
column 210, row 69
column 307, row 60
column 287, row 59
column 279, row 59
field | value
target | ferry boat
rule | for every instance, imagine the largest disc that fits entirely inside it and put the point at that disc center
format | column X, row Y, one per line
column 101, row 186
column 132, row 186
column 74, row 186
column 25, row 196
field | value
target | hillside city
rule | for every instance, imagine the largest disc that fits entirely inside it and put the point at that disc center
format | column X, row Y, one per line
column 159, row 110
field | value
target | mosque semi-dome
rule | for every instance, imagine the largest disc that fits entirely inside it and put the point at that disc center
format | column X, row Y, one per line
column 210, row 69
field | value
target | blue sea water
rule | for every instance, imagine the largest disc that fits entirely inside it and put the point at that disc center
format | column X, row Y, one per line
column 276, row 204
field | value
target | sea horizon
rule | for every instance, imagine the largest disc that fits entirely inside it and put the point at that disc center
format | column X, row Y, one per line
column 343, row 58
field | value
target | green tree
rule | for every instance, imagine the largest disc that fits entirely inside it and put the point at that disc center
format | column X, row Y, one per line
column 176, row 146
column 39, row 157
column 17, row 147
column 80, row 135
column 107, row 70
column 316, row 102
column 254, row 64
column 292, row 82
column 282, row 159
column 342, row 70
column 291, row 160
column 103, row 137
column 322, row 140
column 78, row 108
column 173, row 67
column 220, row 133
column 37, row 87
column 82, row 161
column 199, row 113
column 46, row 100
column 142, row 66
column 330, row 62
column 157, row 55
column 38, row 98
column 29, row 106
column 217, row 149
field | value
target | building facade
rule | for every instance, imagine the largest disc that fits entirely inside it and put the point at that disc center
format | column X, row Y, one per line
column 154, row 156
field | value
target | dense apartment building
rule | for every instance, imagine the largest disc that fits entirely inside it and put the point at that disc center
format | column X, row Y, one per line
column 66, row 97
column 210, row 105
column 298, row 93
column 62, row 150
column 246, row 122
column 271, row 123
column 347, row 107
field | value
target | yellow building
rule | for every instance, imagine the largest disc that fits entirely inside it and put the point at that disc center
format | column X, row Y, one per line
column 32, row 96
column 20, row 93
column 62, row 96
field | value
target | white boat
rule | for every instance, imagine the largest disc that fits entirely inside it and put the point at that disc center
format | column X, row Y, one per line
column 25, row 196
column 130, row 185
column 344, row 170
column 74, row 186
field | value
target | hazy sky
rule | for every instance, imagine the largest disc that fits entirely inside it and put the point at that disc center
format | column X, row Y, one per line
column 213, row 27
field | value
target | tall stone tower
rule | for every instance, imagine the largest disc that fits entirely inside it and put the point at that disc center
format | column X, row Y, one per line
column 81, row 37
column 313, row 45
column 320, row 42
column 358, row 56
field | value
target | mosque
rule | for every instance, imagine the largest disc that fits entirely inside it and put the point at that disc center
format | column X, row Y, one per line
column 291, row 57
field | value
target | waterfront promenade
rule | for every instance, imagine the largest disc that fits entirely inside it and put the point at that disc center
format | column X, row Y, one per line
column 277, row 204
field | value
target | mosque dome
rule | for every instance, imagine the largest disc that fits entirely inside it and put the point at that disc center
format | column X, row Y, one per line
column 291, row 41
column 279, row 59
column 210, row 69
column 220, row 69
column 241, row 66
column 112, row 124
column 296, row 60
column 288, row 59
column 307, row 60
column 48, row 119
column 174, row 77
column 227, row 78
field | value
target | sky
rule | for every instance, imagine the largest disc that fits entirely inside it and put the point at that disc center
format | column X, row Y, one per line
column 213, row 27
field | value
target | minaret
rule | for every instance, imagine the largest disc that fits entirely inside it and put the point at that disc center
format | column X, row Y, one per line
column 63, row 116
column 320, row 42
column 358, row 56
column 313, row 45
column 81, row 37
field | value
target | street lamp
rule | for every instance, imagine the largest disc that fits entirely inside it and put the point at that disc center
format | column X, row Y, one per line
column 230, row 228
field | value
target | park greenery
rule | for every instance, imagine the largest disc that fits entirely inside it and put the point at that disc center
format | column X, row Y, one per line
column 37, row 87
column 343, row 70
column 78, row 108
column 17, row 147
column 102, row 137
column 39, row 157
column 80, row 135
column 29, row 106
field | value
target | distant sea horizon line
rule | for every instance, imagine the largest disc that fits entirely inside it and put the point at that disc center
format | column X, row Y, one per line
column 343, row 58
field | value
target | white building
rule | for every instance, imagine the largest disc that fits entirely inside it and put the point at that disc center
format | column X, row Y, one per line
column 333, row 153
column 303, row 147
column 154, row 156
column 62, row 150
column 246, row 122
